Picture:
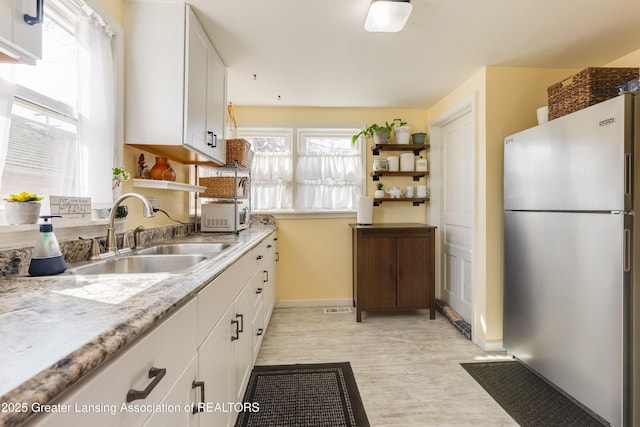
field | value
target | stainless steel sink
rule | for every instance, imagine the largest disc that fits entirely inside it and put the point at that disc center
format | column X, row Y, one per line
column 185, row 248
column 141, row 264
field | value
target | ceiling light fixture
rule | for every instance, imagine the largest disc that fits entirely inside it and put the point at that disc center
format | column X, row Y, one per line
column 387, row 16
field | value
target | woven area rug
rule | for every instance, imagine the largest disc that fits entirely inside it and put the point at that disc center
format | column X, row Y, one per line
column 530, row 400
column 313, row 395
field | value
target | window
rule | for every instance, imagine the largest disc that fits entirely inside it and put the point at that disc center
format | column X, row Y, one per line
column 62, row 134
column 319, row 170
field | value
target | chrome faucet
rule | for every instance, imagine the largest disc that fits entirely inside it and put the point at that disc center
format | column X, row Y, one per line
column 111, row 238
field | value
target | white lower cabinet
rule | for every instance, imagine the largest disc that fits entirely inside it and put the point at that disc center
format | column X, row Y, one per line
column 242, row 342
column 130, row 387
column 215, row 369
column 179, row 400
column 199, row 357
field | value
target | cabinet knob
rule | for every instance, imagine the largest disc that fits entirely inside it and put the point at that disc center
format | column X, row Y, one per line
column 259, row 291
column 260, row 332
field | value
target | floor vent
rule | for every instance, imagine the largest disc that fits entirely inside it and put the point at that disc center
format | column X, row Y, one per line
column 337, row 310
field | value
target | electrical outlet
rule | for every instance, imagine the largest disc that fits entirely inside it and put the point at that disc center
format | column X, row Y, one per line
column 155, row 203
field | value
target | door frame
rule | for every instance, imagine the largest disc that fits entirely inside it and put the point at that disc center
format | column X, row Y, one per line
column 434, row 209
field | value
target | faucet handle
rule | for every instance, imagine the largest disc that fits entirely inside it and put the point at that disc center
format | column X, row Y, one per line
column 137, row 244
column 94, row 251
column 126, row 242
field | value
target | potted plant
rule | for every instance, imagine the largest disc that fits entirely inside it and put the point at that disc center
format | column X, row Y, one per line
column 379, row 193
column 419, row 138
column 380, row 134
column 22, row 208
column 118, row 176
column 401, row 131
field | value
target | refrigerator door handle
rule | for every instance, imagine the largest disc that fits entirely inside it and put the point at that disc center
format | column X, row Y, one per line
column 627, row 250
column 628, row 167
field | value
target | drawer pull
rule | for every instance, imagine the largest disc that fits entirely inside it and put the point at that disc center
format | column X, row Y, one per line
column 237, row 333
column 260, row 332
column 259, row 291
column 241, row 316
column 269, row 246
column 157, row 374
column 259, row 257
column 199, row 408
column 33, row 20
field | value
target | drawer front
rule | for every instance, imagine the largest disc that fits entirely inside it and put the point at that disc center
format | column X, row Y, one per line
column 98, row 400
column 218, row 295
column 258, row 328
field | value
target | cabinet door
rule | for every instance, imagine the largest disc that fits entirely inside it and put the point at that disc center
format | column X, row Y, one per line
column 215, row 368
column 181, row 396
column 171, row 346
column 216, row 105
column 195, row 102
column 270, row 279
column 6, row 21
column 243, row 344
column 17, row 38
column 413, row 272
column 377, row 272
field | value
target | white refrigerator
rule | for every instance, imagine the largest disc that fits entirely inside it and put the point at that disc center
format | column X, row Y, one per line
column 571, row 298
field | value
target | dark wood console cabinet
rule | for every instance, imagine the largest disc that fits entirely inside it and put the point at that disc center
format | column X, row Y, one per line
column 393, row 267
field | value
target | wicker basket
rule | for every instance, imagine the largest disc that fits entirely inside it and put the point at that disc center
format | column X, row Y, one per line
column 225, row 186
column 589, row 86
column 240, row 150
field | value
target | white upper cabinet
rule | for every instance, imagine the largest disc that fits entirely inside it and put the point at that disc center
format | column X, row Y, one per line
column 20, row 41
column 175, row 98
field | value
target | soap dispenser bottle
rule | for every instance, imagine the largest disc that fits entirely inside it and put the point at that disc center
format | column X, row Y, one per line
column 47, row 257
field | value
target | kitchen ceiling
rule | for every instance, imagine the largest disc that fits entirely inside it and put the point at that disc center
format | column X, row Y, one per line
column 317, row 53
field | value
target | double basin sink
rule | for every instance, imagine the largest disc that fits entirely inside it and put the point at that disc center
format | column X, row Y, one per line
column 162, row 258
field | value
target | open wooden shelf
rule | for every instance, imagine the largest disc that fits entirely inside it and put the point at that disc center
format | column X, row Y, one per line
column 416, row 201
column 166, row 185
column 416, row 175
column 416, row 148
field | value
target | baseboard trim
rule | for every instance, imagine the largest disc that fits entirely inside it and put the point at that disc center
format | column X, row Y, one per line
column 488, row 345
column 337, row 302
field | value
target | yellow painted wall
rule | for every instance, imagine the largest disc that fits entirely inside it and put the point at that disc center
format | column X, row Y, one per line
column 506, row 102
column 630, row 60
column 315, row 254
column 115, row 9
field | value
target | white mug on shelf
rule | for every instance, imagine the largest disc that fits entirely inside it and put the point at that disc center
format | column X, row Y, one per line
column 394, row 163
column 409, row 191
column 423, row 191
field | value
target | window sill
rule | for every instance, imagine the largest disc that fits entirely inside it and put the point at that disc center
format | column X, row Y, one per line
column 18, row 236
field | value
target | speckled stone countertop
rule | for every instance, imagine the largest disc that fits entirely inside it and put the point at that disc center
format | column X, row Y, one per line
column 54, row 330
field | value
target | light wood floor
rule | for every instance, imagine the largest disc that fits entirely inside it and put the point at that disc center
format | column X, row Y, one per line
column 407, row 367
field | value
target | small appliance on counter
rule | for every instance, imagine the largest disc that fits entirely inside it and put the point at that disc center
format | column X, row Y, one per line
column 225, row 215
column 47, row 257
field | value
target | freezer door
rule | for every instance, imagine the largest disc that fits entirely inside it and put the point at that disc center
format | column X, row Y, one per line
column 574, row 163
column 564, row 316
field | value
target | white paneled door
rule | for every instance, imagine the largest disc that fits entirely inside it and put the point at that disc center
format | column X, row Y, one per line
column 456, row 214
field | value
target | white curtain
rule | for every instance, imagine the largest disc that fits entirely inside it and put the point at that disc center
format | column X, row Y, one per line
column 328, row 181
column 96, row 108
column 7, row 89
column 271, row 173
